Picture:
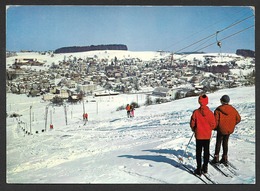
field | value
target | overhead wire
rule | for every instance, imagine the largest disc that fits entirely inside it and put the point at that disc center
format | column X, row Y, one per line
column 201, row 44
column 235, row 23
column 195, row 33
column 220, row 40
column 228, row 37
column 215, row 34
column 232, row 25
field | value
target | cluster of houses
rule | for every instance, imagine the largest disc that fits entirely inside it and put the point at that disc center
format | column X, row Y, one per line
column 73, row 76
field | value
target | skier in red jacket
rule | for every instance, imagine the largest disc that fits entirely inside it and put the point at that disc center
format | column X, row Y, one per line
column 202, row 123
column 128, row 109
column 85, row 118
column 227, row 117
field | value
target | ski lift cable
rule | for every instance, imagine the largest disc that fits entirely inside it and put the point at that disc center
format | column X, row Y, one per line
column 228, row 37
column 195, row 33
column 237, row 32
column 195, row 43
column 215, row 33
column 237, row 22
column 197, row 47
column 220, row 40
column 246, row 14
column 240, row 21
column 201, row 45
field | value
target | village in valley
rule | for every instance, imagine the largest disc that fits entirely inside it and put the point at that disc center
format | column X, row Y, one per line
column 72, row 76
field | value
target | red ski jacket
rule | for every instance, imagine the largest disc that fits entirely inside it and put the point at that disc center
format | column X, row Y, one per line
column 85, row 116
column 202, row 122
column 227, row 118
column 128, row 108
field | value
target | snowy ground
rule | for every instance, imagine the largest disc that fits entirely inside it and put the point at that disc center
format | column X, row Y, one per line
column 112, row 148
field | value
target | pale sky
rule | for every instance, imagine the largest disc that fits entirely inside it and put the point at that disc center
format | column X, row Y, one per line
column 141, row 28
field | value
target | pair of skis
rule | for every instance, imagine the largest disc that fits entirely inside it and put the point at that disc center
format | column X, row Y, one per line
column 204, row 177
column 228, row 170
column 207, row 180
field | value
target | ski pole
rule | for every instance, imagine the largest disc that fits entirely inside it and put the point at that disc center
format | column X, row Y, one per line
column 212, row 135
column 181, row 158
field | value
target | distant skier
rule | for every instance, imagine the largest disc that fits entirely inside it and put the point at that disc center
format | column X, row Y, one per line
column 132, row 112
column 227, row 117
column 85, row 118
column 128, row 110
column 202, row 123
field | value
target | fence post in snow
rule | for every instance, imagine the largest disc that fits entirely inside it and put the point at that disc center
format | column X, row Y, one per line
column 71, row 111
column 83, row 106
column 46, row 116
column 50, row 116
column 30, row 119
column 51, row 125
column 65, row 110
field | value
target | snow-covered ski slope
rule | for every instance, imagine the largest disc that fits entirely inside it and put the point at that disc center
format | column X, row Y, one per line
column 112, row 148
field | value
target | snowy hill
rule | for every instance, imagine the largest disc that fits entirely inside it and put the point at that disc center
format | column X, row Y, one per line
column 112, row 148
column 123, row 54
column 109, row 54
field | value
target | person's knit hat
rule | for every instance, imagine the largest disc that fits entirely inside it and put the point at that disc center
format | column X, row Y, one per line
column 203, row 99
column 225, row 99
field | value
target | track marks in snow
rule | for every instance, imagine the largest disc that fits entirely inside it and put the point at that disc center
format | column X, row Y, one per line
column 139, row 176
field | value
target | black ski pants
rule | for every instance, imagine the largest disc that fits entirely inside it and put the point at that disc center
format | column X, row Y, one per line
column 128, row 113
column 221, row 138
column 202, row 144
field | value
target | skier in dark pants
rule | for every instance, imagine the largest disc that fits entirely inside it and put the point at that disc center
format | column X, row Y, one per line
column 128, row 109
column 85, row 118
column 202, row 123
column 227, row 117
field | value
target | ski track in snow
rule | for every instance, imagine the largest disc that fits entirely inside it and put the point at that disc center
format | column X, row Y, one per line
column 162, row 136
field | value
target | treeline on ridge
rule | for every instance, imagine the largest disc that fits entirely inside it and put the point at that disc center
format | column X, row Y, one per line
column 245, row 53
column 91, row 48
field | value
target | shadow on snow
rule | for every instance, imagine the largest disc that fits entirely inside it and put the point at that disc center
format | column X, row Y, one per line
column 163, row 159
